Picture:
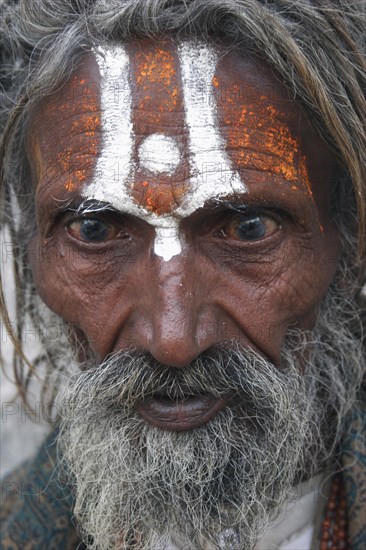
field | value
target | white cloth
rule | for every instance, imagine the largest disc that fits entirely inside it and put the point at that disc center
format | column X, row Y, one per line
column 293, row 530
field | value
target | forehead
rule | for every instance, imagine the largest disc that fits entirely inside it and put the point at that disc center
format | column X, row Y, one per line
column 153, row 122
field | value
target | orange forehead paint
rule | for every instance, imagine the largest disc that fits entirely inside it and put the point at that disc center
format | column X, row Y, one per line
column 257, row 138
column 155, row 73
column 157, row 103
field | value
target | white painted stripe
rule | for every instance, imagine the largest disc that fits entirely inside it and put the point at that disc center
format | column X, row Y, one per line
column 167, row 242
column 213, row 175
column 160, row 154
column 114, row 166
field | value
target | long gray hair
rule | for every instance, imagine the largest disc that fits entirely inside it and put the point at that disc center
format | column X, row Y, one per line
column 315, row 46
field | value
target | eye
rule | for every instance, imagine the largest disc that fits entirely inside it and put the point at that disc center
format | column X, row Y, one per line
column 249, row 227
column 92, row 230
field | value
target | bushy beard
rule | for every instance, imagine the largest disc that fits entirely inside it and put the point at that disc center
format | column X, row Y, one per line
column 219, row 485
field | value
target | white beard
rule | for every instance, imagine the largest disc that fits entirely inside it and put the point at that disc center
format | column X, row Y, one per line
column 219, row 485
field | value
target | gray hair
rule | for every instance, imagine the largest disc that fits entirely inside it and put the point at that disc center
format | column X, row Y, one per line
column 315, row 46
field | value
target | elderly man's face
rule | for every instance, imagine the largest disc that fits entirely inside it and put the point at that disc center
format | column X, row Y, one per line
column 182, row 202
column 183, row 221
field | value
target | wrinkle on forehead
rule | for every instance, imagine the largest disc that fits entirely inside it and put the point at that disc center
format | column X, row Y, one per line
column 257, row 132
column 68, row 132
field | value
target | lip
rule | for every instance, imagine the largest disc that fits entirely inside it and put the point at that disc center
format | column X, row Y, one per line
column 178, row 416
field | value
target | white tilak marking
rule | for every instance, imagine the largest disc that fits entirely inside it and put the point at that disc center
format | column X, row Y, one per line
column 159, row 154
column 213, row 176
column 114, row 166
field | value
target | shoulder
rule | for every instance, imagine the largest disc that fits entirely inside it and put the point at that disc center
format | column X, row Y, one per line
column 36, row 507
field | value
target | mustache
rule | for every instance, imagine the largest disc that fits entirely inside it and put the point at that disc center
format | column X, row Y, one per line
column 125, row 378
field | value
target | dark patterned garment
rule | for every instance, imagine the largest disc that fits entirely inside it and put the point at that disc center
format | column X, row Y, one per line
column 354, row 475
column 36, row 509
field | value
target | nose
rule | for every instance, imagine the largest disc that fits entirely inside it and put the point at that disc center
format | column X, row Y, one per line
column 178, row 322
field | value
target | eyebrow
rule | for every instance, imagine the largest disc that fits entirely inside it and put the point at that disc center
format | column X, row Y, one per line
column 231, row 205
column 87, row 206
column 238, row 207
column 81, row 206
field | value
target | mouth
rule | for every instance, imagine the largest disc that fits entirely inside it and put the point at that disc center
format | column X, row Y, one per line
column 179, row 415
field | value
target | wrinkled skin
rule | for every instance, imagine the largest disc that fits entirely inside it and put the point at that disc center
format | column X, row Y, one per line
column 117, row 293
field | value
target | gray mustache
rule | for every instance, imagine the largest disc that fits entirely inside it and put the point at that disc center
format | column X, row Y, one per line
column 125, row 378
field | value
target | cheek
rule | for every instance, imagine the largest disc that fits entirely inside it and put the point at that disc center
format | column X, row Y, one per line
column 72, row 285
column 54, row 280
column 266, row 295
column 92, row 292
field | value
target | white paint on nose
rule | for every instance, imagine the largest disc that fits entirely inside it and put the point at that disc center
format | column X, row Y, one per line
column 167, row 242
column 160, row 154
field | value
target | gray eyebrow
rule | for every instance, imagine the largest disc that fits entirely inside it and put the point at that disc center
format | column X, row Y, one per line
column 91, row 206
column 232, row 205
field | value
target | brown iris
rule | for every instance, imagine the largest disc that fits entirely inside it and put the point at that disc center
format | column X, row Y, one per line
column 249, row 227
column 92, row 230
